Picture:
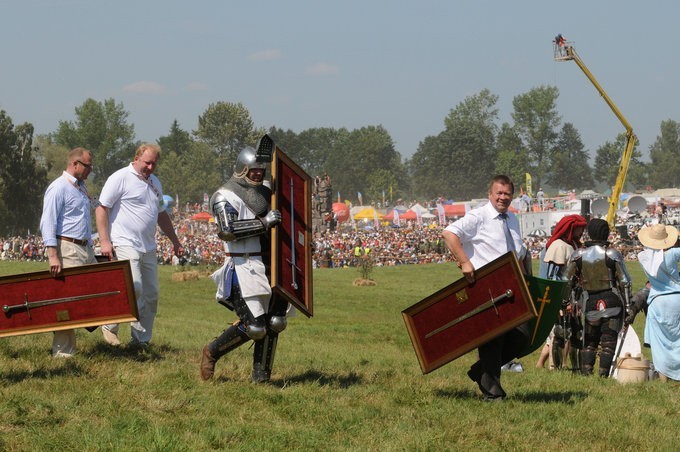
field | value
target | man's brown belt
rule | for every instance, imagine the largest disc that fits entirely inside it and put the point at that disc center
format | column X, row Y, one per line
column 76, row 241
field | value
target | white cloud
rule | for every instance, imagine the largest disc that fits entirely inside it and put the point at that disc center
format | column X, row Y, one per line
column 197, row 86
column 322, row 69
column 144, row 87
column 265, row 55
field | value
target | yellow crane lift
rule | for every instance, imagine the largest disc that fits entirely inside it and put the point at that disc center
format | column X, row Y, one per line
column 564, row 51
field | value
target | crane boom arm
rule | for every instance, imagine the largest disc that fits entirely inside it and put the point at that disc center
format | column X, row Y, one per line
column 570, row 54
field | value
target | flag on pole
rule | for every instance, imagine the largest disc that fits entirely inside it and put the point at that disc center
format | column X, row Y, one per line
column 361, row 202
column 376, row 223
column 528, row 184
column 395, row 220
column 339, row 199
column 419, row 216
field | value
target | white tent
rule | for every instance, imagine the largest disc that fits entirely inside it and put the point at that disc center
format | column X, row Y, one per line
column 667, row 192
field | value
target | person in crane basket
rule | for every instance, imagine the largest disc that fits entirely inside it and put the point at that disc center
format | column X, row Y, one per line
column 561, row 44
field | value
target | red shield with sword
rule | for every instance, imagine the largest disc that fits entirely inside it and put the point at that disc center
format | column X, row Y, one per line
column 462, row 316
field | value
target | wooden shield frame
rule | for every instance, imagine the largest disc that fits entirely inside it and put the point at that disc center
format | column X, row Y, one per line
column 85, row 296
column 291, row 241
column 446, row 325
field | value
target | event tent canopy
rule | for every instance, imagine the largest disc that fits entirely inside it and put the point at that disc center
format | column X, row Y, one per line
column 201, row 216
column 367, row 213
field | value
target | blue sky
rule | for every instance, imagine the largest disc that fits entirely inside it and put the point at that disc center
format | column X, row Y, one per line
column 299, row 64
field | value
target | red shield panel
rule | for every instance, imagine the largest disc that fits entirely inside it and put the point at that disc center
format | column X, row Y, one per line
column 84, row 296
column 463, row 316
column 292, row 239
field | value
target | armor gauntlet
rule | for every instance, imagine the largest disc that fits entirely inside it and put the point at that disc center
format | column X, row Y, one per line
column 638, row 304
column 272, row 218
column 230, row 228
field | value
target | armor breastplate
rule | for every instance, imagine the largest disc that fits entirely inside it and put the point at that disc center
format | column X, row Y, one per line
column 595, row 274
column 256, row 197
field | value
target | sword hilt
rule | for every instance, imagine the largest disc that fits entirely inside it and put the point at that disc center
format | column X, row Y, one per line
column 26, row 305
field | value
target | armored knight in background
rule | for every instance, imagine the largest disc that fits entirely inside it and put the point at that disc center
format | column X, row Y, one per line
column 602, row 274
column 244, row 219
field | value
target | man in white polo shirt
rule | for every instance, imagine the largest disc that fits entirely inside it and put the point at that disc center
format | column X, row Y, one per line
column 130, row 208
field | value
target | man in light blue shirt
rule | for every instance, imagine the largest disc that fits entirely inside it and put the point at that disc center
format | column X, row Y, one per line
column 66, row 229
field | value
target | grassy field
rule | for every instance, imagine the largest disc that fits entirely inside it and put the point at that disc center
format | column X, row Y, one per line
column 346, row 379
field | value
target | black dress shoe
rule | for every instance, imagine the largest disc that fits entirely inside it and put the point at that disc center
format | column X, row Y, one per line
column 477, row 378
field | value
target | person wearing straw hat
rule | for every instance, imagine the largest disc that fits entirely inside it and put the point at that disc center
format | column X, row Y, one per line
column 660, row 260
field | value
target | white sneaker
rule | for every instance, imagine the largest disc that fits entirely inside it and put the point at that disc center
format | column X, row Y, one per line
column 513, row 366
column 62, row 355
column 110, row 337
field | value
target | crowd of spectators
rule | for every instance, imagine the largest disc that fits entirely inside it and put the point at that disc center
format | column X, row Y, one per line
column 388, row 246
column 29, row 248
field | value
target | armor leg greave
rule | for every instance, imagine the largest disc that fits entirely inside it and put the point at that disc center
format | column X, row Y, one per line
column 609, row 338
column 588, row 356
column 232, row 338
column 610, row 329
column 575, row 359
column 263, row 357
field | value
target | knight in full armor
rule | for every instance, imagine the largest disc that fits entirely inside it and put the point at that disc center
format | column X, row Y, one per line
column 244, row 219
column 601, row 274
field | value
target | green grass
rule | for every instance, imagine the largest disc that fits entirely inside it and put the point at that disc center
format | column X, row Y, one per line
column 346, row 379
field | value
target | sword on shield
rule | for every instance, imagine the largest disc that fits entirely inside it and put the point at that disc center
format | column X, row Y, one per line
column 27, row 306
column 293, row 264
column 481, row 308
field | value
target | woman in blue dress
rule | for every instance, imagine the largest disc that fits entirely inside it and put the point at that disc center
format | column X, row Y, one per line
column 662, row 331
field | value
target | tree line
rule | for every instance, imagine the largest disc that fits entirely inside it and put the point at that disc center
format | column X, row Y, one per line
column 456, row 163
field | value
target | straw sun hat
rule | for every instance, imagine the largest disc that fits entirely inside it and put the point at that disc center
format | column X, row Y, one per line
column 658, row 236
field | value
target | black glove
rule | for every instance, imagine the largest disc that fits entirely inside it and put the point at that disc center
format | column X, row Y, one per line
column 630, row 318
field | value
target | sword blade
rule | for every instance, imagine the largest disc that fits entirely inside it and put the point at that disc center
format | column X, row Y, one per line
column 481, row 308
column 36, row 304
column 292, row 235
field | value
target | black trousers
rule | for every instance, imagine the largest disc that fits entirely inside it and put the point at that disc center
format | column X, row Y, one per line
column 492, row 355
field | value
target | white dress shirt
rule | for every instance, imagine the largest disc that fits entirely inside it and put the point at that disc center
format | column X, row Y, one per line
column 481, row 232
